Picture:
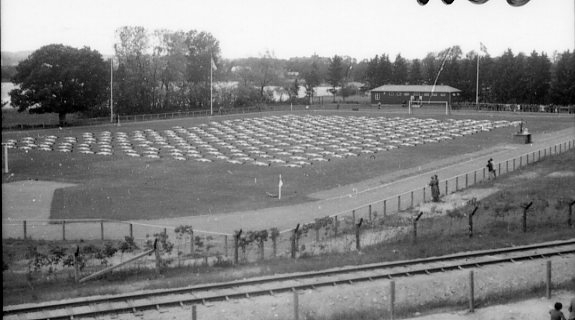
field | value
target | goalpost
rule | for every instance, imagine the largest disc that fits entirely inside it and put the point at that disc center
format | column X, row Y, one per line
column 416, row 104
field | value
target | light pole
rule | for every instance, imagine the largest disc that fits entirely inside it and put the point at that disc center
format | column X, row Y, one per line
column 112, row 90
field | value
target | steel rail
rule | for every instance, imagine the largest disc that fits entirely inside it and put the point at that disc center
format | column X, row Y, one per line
column 201, row 293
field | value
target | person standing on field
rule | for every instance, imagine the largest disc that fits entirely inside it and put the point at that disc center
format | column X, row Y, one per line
column 492, row 174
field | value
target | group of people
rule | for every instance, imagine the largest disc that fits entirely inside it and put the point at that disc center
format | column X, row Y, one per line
column 557, row 314
column 434, row 184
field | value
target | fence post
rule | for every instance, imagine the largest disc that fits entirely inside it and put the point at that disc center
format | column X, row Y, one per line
column 369, row 211
column 483, row 175
column 446, row 193
column 398, row 203
column 226, row 244
column 423, row 194
column 295, row 305
column 63, row 229
column 466, row 183
column 102, row 229
column 357, row 235
column 474, row 176
column 353, row 216
column 506, row 167
column 192, row 241
column 471, row 221
column 76, row 266
column 335, row 226
column 158, row 258
column 294, row 242
column 499, row 168
column 548, row 279
column 131, row 231
column 513, row 164
column 236, row 245
column 569, row 223
column 415, row 226
column 26, row 235
column 471, row 292
column 392, row 300
column 520, row 161
column 194, row 312
column 411, row 206
column 384, row 208
column 456, row 183
column 525, row 208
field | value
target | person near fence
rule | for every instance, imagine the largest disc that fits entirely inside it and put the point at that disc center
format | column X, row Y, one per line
column 490, row 168
column 434, row 184
column 556, row 313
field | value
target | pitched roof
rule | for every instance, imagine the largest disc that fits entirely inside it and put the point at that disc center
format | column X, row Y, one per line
column 416, row 88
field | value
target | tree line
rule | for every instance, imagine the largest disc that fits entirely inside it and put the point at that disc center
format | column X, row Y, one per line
column 164, row 71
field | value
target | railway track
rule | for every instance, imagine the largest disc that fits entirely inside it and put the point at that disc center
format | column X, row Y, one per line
column 157, row 299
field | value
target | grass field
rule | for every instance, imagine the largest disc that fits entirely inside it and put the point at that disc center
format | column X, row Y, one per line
column 123, row 188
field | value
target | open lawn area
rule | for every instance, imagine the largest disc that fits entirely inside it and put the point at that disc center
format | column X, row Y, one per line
column 124, row 187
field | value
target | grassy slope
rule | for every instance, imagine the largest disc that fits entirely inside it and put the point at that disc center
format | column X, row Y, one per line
column 124, row 188
column 514, row 189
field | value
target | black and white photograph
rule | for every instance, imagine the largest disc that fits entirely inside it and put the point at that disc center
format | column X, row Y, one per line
column 288, row 160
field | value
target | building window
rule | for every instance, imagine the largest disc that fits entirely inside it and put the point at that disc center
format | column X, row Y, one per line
column 377, row 96
column 426, row 94
column 443, row 94
column 406, row 93
column 435, row 94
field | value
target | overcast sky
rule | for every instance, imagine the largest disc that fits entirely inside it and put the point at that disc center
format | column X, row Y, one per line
column 291, row 28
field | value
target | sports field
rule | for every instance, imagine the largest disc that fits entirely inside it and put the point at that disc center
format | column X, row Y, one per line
column 207, row 166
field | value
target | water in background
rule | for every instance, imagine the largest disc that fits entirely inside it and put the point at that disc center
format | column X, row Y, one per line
column 6, row 87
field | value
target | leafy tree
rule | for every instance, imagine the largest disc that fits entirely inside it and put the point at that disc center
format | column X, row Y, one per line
column 562, row 89
column 60, row 79
column 335, row 74
column 414, row 75
column 399, row 70
column 384, row 71
column 312, row 79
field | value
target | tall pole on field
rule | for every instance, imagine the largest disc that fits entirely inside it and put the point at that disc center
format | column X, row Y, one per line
column 477, row 82
column 211, row 85
column 111, row 90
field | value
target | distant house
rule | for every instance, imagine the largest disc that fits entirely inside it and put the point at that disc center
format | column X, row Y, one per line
column 400, row 94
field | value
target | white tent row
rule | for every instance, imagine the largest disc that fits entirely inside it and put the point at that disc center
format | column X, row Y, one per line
column 288, row 140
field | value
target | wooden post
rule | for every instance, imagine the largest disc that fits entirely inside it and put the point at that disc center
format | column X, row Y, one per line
column 506, row 166
column 335, row 226
column 520, row 161
column 483, row 175
column 158, row 258
column 398, row 203
column 392, row 300
column 415, row 226
column 446, row 193
column 26, row 233
column 131, row 231
column 474, row 176
column 569, row 223
column 513, row 164
column 192, row 242
column 357, row 235
column 384, row 208
column 102, row 229
column 539, row 155
column 456, row 183
column 294, row 242
column 226, row 244
column 471, row 221
column 76, row 266
column 236, row 246
column 369, row 212
column 295, row 305
column 548, row 279
column 275, row 246
column 423, row 194
column 261, row 245
column 64, row 230
column 194, row 313
column 466, row 183
column 411, row 206
column 499, row 168
column 525, row 208
column 471, row 293
column 6, row 159
column 353, row 216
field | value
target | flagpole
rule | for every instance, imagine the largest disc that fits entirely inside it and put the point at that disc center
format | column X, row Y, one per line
column 111, row 90
column 477, row 82
column 211, row 86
